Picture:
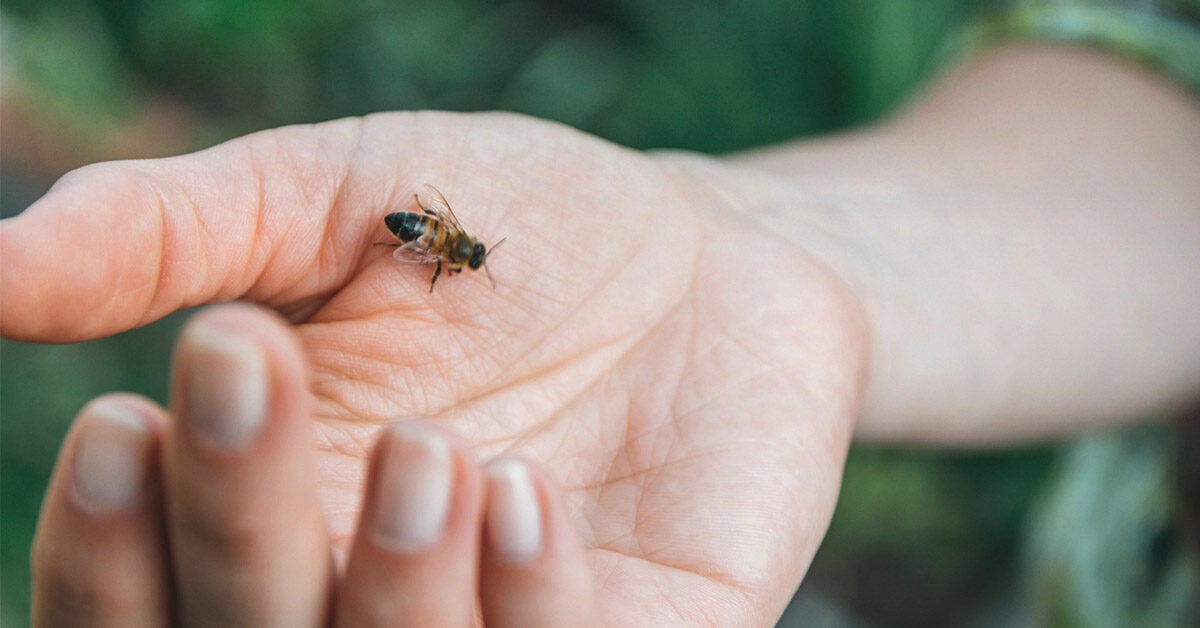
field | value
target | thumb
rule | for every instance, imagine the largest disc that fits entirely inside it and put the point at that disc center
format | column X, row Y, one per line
column 116, row 245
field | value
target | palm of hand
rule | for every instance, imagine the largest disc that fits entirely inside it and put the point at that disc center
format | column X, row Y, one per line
column 686, row 378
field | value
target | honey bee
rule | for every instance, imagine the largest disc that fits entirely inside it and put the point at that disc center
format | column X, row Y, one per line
column 435, row 236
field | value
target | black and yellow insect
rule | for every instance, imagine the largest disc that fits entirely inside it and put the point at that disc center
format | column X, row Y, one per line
column 434, row 236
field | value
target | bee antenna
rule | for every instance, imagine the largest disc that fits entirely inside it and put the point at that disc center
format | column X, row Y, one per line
column 489, row 274
column 494, row 246
column 485, row 266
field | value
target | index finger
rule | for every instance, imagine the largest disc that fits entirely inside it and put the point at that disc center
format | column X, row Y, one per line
column 116, row 245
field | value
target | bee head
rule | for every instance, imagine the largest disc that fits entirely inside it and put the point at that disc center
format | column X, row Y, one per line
column 478, row 254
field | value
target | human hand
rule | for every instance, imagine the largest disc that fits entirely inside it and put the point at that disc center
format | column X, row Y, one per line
column 685, row 375
column 213, row 519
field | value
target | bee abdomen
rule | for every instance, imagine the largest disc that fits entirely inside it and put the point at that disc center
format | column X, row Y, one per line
column 408, row 226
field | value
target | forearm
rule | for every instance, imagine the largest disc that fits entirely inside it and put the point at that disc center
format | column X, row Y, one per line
column 1025, row 241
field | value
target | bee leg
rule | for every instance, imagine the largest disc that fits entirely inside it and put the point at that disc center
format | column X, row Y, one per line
column 435, row 276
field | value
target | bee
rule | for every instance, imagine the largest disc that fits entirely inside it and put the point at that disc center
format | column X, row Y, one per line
column 434, row 236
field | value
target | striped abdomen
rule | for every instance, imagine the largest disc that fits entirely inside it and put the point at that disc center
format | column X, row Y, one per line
column 428, row 232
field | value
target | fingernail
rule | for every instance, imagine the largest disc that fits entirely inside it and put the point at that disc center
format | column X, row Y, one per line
column 225, row 393
column 110, row 455
column 514, row 518
column 412, row 492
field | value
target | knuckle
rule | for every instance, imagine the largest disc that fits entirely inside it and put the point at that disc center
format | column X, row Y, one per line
column 223, row 534
column 69, row 587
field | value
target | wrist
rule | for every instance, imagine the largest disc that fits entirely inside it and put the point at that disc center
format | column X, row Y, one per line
column 748, row 219
column 1017, row 242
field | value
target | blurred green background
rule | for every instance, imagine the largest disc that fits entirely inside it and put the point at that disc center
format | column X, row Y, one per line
column 919, row 538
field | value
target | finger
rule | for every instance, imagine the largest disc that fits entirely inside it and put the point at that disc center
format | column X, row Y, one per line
column 534, row 571
column 115, row 245
column 416, row 555
column 99, row 558
column 248, row 542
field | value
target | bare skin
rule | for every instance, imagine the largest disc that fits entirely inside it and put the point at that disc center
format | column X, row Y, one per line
column 681, row 345
column 1025, row 241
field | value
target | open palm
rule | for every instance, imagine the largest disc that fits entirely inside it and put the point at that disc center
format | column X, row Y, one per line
column 688, row 378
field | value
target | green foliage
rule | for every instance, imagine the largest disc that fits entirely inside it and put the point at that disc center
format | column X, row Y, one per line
column 708, row 76
column 66, row 53
column 923, row 538
column 1106, row 547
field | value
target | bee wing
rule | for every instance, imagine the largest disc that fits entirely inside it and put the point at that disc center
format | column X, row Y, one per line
column 408, row 253
column 432, row 201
